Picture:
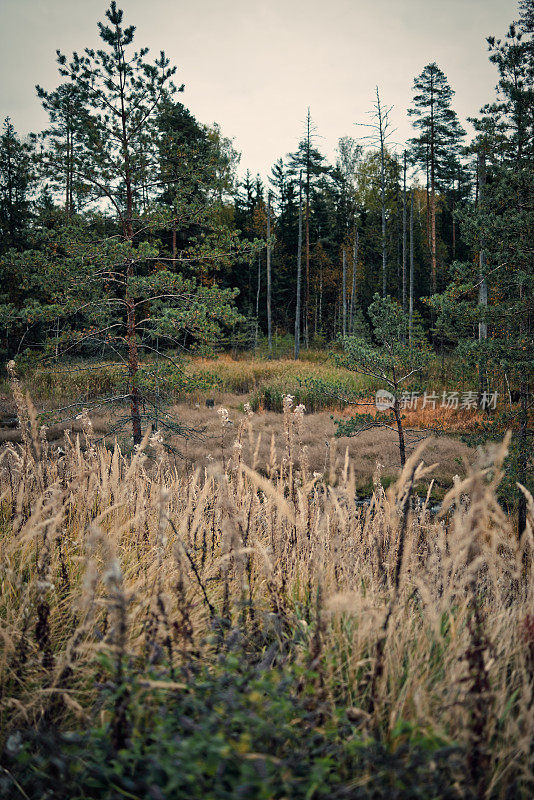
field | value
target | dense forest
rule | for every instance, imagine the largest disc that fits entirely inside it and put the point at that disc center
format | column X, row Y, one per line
column 126, row 234
column 200, row 595
column 127, row 195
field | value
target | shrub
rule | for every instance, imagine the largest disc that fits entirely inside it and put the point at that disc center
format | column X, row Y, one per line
column 233, row 730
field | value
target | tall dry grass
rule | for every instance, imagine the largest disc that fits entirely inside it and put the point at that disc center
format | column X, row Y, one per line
column 410, row 622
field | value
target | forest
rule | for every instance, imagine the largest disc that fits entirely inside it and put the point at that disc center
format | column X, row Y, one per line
column 266, row 485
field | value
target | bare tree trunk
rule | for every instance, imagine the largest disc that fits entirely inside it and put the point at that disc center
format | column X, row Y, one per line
column 269, row 319
column 131, row 327
column 133, row 359
column 256, row 335
column 404, row 237
column 433, row 234
column 299, row 269
column 453, row 220
column 483, row 287
column 400, row 430
column 354, row 272
column 428, row 236
column 308, row 166
column 522, row 462
column 67, row 182
column 344, row 295
column 523, row 444
column 398, row 243
column 410, row 313
column 382, row 191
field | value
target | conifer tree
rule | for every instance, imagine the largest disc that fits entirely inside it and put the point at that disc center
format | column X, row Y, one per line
column 115, row 283
column 439, row 139
column 61, row 158
column 312, row 163
column 16, row 177
column 123, row 92
column 489, row 299
column 390, row 359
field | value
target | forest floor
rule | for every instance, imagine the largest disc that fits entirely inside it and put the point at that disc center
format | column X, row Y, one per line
column 213, row 619
column 316, row 444
column 226, row 382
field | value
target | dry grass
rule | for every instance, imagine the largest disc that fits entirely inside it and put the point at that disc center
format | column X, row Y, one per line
column 418, row 621
column 316, row 442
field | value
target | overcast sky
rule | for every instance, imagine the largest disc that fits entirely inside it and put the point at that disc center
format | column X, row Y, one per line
column 254, row 67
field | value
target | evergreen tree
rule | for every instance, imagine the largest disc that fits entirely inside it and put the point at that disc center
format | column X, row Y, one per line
column 16, row 178
column 115, row 288
column 308, row 160
column 494, row 326
column 61, row 159
column 388, row 358
column 123, row 92
column 437, row 145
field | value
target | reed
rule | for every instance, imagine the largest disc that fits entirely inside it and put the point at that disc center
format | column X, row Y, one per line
column 118, row 568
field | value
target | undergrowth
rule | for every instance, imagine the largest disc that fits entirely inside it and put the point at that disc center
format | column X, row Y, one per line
column 250, row 631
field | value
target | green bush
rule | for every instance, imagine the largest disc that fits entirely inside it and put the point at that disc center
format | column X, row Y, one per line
column 234, row 731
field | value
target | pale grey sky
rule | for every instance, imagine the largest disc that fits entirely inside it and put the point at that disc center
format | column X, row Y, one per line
column 254, row 67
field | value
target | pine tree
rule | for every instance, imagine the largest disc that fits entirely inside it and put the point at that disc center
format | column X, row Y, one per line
column 112, row 291
column 390, row 359
column 123, row 92
column 61, row 158
column 439, row 138
column 489, row 299
column 16, row 178
column 312, row 164
column 186, row 168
